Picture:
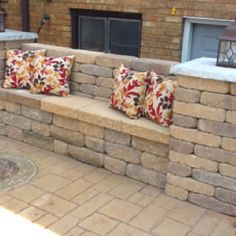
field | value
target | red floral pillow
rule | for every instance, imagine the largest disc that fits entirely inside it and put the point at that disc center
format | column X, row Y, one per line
column 129, row 91
column 20, row 68
column 51, row 75
column 159, row 100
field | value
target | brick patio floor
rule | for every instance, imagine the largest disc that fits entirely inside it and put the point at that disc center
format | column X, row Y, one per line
column 71, row 198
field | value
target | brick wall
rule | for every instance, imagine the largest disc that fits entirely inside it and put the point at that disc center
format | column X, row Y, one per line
column 161, row 32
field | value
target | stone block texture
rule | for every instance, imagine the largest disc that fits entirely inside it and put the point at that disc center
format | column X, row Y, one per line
column 202, row 157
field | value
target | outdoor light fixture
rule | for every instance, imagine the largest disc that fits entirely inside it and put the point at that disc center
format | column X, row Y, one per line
column 2, row 20
column 227, row 47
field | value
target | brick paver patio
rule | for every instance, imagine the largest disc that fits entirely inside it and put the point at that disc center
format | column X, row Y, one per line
column 71, row 198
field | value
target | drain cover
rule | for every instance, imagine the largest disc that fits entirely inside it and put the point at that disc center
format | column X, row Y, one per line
column 15, row 171
column 7, row 169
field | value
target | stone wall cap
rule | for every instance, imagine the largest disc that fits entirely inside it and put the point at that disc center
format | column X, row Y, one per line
column 13, row 35
column 205, row 68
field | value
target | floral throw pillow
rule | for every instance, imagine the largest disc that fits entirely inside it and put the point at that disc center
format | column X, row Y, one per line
column 51, row 75
column 20, row 67
column 129, row 91
column 158, row 105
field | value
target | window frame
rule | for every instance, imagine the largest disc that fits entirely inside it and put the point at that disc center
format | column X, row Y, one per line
column 77, row 13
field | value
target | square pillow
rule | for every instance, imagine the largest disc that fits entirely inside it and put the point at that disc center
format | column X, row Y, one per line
column 51, row 75
column 129, row 91
column 158, row 105
column 19, row 68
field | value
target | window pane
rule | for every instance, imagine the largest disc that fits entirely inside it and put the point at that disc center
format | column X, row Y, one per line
column 92, row 33
column 124, row 37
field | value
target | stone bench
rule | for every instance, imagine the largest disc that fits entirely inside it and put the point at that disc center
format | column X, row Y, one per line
column 89, row 131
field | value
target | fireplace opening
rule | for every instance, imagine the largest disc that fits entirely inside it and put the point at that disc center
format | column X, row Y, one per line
column 111, row 32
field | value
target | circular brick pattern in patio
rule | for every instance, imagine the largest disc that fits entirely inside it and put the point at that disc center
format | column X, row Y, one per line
column 15, row 171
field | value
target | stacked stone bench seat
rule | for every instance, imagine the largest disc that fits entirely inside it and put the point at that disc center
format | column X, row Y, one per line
column 83, row 126
column 89, row 131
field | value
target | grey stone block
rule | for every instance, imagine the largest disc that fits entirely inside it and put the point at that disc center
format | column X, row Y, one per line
column 184, row 121
column 218, row 128
column 94, row 144
column 215, row 179
column 181, row 146
column 150, row 146
column 127, row 154
column 215, row 154
column 67, row 136
column 114, row 165
column 16, row 121
column 87, row 156
column 100, row 71
column 226, row 195
column 117, row 137
column 38, row 140
column 147, row 176
column 179, row 170
column 36, row 114
column 212, row 203
column 187, row 95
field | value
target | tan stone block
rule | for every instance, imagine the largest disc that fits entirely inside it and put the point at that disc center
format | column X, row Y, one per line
column 100, row 114
column 111, row 60
column 176, row 192
column 13, row 107
column 91, row 206
column 50, row 182
column 87, row 156
column 193, row 161
column 99, row 224
column 65, row 122
column 14, row 205
column 203, row 85
column 191, row 185
column 46, row 220
column 71, row 190
column 219, row 100
column 60, row 147
column 85, row 196
column 104, row 82
column 231, row 117
column 14, row 132
column 32, row 213
column 91, row 130
column 83, row 78
column 227, row 170
column 115, row 165
column 146, row 129
column 76, row 231
column 195, row 136
column 65, row 106
column 54, row 205
column 125, row 190
column 145, row 220
column 154, row 162
column 121, row 228
column 63, row 225
column 233, row 88
column 24, row 97
column 40, row 128
column 199, row 111
column 170, row 227
column 152, row 147
column 229, row 144
column 27, row 193
column 187, row 95
column 120, row 210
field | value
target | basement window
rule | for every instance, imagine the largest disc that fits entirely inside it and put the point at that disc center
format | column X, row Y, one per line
column 111, row 32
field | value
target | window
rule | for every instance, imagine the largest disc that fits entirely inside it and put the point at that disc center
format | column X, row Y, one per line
column 201, row 37
column 106, row 31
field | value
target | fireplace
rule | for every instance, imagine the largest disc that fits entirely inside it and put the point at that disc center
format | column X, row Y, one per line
column 110, row 32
